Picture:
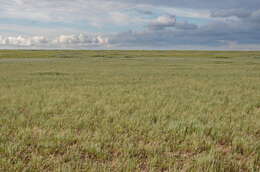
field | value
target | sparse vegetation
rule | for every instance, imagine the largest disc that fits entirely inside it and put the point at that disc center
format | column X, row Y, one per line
column 134, row 111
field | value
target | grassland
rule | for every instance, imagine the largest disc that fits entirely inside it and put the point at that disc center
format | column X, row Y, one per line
column 129, row 111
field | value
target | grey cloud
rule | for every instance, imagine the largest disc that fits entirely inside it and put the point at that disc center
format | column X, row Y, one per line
column 255, row 17
column 248, row 18
column 241, row 13
column 192, row 4
column 185, row 26
column 145, row 12
column 169, row 21
column 214, row 34
column 163, row 22
column 202, row 4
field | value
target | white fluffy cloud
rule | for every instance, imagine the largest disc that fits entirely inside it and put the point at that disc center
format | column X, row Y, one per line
column 80, row 40
column 22, row 40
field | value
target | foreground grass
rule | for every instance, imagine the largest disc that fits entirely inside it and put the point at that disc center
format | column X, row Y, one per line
column 129, row 111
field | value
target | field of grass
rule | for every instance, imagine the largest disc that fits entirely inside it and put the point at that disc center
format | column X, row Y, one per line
column 129, row 111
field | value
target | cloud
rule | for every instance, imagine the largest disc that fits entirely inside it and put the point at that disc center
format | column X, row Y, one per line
column 23, row 41
column 244, row 18
column 201, row 4
column 255, row 17
column 186, row 26
column 240, row 13
column 144, row 11
column 215, row 34
column 163, row 22
column 169, row 21
column 62, row 10
column 80, row 39
column 61, row 41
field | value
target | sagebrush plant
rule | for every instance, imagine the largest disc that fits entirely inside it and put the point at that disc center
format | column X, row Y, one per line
column 129, row 111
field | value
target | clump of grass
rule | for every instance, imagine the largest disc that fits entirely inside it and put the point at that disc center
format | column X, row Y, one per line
column 50, row 73
column 63, row 56
column 222, row 62
column 222, row 57
column 128, row 57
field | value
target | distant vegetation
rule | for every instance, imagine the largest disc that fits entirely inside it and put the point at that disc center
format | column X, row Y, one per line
column 123, row 54
column 129, row 111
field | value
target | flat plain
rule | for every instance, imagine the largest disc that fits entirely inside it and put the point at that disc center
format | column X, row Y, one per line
column 129, row 111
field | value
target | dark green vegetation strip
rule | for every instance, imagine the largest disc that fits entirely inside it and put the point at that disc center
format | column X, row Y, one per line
column 122, row 111
column 123, row 54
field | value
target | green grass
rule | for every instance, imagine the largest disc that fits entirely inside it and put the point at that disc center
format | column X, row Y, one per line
column 129, row 111
column 124, row 54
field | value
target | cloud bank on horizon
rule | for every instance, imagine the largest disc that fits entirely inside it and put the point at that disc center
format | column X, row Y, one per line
column 130, row 24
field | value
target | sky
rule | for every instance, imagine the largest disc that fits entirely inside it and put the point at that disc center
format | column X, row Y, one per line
column 130, row 24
